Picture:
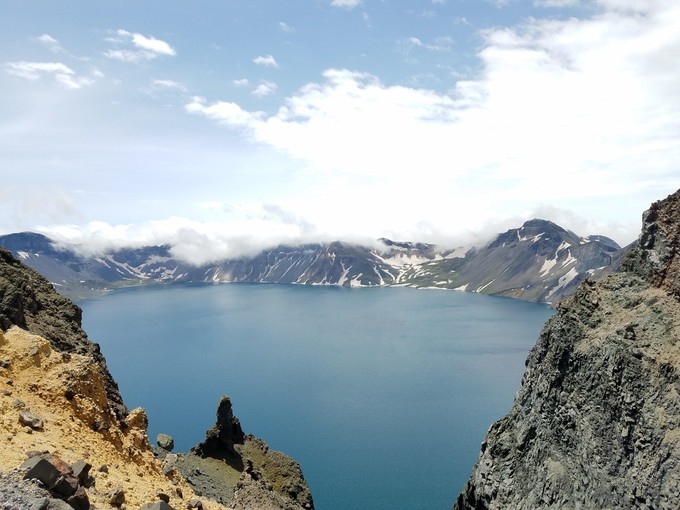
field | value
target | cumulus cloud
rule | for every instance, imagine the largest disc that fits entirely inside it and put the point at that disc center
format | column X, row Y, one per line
column 266, row 60
column 561, row 110
column 243, row 82
column 265, row 88
column 61, row 73
column 347, row 4
column 137, row 48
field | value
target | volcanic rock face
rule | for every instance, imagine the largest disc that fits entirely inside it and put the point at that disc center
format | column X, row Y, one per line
column 221, row 439
column 28, row 300
column 596, row 422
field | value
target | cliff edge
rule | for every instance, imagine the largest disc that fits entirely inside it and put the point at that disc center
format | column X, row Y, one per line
column 596, row 421
column 67, row 441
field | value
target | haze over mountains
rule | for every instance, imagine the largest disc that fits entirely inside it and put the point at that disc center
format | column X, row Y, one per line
column 540, row 261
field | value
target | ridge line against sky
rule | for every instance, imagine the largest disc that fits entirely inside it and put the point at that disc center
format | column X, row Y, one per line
column 228, row 127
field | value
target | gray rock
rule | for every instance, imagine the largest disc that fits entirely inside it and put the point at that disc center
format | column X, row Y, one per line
column 591, row 423
column 79, row 499
column 221, row 439
column 81, row 470
column 29, row 419
column 41, row 469
column 116, row 497
column 165, row 441
column 159, row 505
column 169, row 464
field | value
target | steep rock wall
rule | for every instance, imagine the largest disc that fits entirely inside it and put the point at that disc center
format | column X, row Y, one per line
column 596, row 421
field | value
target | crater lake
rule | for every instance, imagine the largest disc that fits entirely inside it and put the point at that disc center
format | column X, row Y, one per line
column 383, row 395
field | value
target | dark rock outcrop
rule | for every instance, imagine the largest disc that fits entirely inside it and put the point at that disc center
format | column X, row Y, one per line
column 221, row 439
column 264, row 478
column 595, row 422
column 29, row 301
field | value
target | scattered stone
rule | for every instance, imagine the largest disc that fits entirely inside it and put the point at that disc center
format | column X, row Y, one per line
column 58, row 504
column 6, row 393
column 39, row 504
column 170, row 463
column 4, row 363
column 41, row 469
column 18, row 404
column 103, row 468
column 116, row 497
column 163, row 497
column 67, row 483
column 79, row 500
column 81, row 470
column 195, row 503
column 31, row 420
column 69, row 394
column 165, row 441
column 179, row 493
column 34, row 351
column 10, row 381
column 159, row 505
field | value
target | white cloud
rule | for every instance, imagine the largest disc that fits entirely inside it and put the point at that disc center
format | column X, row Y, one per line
column 562, row 112
column 158, row 85
column 50, row 42
column 243, row 229
column 439, row 44
column 226, row 113
column 348, row 4
column 243, row 82
column 556, row 3
column 265, row 88
column 143, row 49
column 266, row 60
column 62, row 74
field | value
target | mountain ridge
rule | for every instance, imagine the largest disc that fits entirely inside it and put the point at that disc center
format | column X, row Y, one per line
column 539, row 261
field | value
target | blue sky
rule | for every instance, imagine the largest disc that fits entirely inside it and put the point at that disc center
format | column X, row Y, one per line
column 226, row 126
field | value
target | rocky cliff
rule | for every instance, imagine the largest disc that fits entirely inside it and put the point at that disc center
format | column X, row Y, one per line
column 596, row 421
column 67, row 441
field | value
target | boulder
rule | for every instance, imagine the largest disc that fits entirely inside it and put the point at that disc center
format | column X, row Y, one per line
column 165, row 441
column 29, row 419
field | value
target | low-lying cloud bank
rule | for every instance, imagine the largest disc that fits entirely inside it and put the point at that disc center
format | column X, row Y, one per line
column 203, row 242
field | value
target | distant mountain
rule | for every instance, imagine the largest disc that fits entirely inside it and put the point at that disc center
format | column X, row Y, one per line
column 539, row 261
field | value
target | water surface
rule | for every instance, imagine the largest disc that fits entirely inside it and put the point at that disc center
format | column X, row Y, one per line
column 382, row 394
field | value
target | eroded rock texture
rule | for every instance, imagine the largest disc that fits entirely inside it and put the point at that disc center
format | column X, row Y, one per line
column 28, row 300
column 596, row 422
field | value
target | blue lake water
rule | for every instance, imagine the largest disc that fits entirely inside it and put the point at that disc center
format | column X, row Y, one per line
column 382, row 394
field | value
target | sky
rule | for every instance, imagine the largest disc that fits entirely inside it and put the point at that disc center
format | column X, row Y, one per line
column 225, row 126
